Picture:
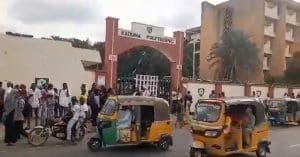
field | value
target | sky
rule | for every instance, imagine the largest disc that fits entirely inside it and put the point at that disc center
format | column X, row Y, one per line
column 86, row 18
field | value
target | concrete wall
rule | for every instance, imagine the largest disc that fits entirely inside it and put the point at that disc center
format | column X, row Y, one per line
column 24, row 59
column 296, row 91
column 233, row 90
column 264, row 90
column 194, row 89
column 279, row 92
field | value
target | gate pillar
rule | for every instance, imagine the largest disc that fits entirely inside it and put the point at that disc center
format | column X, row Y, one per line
column 176, row 67
column 111, row 57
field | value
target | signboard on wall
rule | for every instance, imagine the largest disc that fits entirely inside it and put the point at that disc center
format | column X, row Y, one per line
column 146, row 32
column 101, row 80
column 41, row 81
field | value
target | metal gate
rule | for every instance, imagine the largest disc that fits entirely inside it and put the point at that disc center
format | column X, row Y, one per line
column 157, row 86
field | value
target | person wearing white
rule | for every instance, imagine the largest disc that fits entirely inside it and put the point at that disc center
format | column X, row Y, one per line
column 146, row 92
column 124, row 118
column 50, row 102
column 82, row 115
column 64, row 99
column 34, row 96
column 8, row 89
column 76, row 113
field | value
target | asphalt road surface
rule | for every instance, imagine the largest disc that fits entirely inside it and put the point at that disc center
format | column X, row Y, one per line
column 285, row 143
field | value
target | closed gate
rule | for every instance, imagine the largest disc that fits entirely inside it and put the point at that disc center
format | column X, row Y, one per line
column 157, row 86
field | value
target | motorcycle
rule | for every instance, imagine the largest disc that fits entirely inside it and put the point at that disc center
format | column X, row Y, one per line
column 58, row 129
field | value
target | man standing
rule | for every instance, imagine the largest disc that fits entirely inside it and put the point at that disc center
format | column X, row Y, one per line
column 212, row 94
column 64, row 97
column 92, row 103
column 34, row 96
column 8, row 89
column 2, row 92
column 188, row 100
column 146, row 92
column 50, row 102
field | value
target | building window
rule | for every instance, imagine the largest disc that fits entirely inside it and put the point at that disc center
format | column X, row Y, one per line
column 228, row 19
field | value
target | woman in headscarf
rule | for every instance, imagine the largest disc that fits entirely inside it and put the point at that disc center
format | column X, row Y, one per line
column 11, row 132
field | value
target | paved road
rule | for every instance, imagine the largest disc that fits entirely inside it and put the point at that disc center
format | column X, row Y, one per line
column 285, row 142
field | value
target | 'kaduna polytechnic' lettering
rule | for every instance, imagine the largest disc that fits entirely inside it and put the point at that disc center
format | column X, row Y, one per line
column 130, row 34
column 127, row 33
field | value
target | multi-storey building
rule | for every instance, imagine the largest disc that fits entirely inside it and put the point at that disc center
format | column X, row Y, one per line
column 273, row 25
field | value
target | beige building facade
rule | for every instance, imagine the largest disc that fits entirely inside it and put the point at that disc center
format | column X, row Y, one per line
column 23, row 59
column 273, row 25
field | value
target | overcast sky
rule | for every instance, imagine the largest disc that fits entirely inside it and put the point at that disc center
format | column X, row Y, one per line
column 86, row 18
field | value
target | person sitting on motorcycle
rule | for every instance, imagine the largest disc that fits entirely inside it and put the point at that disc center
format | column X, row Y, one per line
column 75, row 109
column 82, row 115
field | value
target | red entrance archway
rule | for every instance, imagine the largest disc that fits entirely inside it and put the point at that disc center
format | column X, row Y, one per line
column 118, row 41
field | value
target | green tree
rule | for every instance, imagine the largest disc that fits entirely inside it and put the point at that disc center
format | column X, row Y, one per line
column 187, row 68
column 100, row 46
column 235, row 55
column 292, row 73
column 143, row 60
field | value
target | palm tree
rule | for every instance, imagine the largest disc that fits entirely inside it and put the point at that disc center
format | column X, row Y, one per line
column 292, row 74
column 234, row 55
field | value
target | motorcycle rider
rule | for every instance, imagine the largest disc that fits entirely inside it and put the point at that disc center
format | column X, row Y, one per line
column 75, row 109
column 82, row 115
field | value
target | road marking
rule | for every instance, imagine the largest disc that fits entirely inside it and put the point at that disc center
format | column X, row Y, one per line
column 295, row 145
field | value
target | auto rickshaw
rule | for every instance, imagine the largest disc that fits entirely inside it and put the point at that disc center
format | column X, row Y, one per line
column 219, row 128
column 284, row 111
column 148, row 121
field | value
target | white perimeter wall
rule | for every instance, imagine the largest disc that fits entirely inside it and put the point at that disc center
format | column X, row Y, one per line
column 233, row 90
column 296, row 91
column 24, row 59
column 263, row 89
column 279, row 92
column 194, row 89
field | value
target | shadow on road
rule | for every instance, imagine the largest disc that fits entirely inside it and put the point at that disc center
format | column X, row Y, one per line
column 130, row 148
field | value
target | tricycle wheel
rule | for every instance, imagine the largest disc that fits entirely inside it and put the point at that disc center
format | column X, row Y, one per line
column 164, row 144
column 38, row 136
column 261, row 151
column 94, row 144
column 197, row 153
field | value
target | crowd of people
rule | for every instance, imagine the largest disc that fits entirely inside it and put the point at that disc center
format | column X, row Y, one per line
column 19, row 106
column 291, row 95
